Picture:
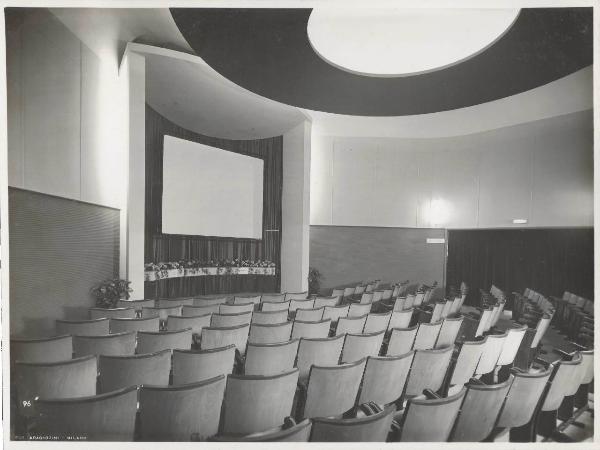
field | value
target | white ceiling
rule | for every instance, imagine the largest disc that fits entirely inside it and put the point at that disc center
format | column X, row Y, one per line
column 184, row 89
column 401, row 41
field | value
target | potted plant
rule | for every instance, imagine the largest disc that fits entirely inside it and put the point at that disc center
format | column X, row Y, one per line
column 109, row 292
column 314, row 280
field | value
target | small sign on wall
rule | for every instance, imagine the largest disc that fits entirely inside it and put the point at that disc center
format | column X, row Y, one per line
column 436, row 240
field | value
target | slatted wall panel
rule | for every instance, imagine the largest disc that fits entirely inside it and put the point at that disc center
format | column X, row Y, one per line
column 59, row 249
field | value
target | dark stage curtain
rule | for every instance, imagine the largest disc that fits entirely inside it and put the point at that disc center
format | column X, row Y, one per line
column 163, row 248
column 549, row 260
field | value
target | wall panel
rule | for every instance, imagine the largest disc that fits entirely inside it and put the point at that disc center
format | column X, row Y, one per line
column 59, row 249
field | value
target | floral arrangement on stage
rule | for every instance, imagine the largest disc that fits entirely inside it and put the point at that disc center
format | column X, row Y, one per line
column 195, row 268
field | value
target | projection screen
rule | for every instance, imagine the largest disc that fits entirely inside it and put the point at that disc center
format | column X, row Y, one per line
column 208, row 191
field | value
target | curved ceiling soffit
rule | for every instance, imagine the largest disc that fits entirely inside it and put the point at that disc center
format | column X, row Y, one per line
column 267, row 51
column 570, row 94
column 188, row 92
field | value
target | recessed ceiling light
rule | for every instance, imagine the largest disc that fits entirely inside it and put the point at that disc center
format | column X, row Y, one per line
column 399, row 42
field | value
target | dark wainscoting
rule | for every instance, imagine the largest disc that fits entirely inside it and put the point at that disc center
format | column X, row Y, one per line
column 59, row 249
column 163, row 247
column 350, row 255
column 549, row 260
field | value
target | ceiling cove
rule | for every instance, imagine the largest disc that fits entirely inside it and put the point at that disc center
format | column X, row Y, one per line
column 268, row 52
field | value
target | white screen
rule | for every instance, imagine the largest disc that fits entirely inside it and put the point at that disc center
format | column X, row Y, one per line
column 210, row 192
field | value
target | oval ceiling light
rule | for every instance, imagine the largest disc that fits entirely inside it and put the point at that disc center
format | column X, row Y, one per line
column 401, row 42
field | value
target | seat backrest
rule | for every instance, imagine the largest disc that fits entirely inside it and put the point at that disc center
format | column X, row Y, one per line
column 384, row 378
column 587, row 362
column 370, row 287
column 301, row 304
column 171, row 413
column 359, row 346
column 190, row 366
column 319, row 352
column 272, row 298
column 374, row 428
column 117, row 372
column 270, row 333
column 269, row 317
column 64, row 379
column 124, row 325
column 337, row 293
column 399, row 304
column 105, row 417
column 299, row 432
column 310, row 330
column 511, row 345
column 395, row 291
column 446, row 309
column 161, row 312
column 231, row 319
column 353, row 325
column 467, row 360
column 483, row 320
column 436, row 314
column 400, row 319
column 377, row 295
column 270, row 359
column 479, row 411
column 320, row 302
column 175, row 323
column 193, row 311
column 335, row 312
column 358, row 310
column 491, row 317
column 275, row 306
column 108, row 313
column 490, row 353
column 387, row 294
column 430, row 420
column 366, row 298
column 296, row 295
column 410, row 301
column 349, row 291
column 118, row 344
column 255, row 299
column 456, row 302
column 401, row 340
column 94, row 327
column 255, row 403
column 427, row 335
column 210, row 301
column 522, row 398
column 419, row 296
column 565, row 381
column 136, row 304
column 540, row 330
column 333, row 390
column 309, row 315
column 449, row 331
column 428, row 370
column 45, row 350
column 221, row 337
column 172, row 302
column 359, row 289
column 151, row 342
column 377, row 322
column 240, row 308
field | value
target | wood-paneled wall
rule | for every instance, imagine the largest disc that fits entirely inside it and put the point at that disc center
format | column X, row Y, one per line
column 162, row 247
column 349, row 255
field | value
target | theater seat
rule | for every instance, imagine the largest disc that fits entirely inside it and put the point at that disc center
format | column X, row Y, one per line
column 256, row 403
column 270, row 333
column 214, row 337
column 359, row 346
column 428, row 370
column 319, row 352
column 109, row 313
column 401, row 341
column 105, row 417
column 94, row 327
column 269, row 317
column 117, row 344
column 180, row 413
column 232, row 319
column 373, row 428
column 385, row 378
column 117, row 372
column 275, row 306
column 53, row 349
column 151, row 342
column 310, row 330
column 191, row 366
column 270, row 359
column 124, row 325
